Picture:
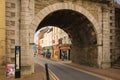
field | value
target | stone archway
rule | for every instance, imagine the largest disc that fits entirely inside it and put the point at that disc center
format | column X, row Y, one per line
column 59, row 6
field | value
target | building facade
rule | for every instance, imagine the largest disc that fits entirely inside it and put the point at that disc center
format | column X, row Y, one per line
column 57, row 41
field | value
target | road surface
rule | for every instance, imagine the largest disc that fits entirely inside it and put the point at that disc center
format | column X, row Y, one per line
column 65, row 72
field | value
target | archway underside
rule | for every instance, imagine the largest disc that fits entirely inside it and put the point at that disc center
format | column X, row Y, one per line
column 81, row 31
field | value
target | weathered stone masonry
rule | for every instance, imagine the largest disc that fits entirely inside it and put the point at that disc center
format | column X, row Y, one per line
column 94, row 9
column 24, row 16
column 12, row 28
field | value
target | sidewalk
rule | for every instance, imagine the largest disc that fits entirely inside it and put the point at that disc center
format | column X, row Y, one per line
column 38, row 75
column 40, row 72
column 110, row 73
column 2, row 73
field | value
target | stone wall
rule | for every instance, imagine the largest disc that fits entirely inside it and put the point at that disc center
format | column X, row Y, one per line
column 19, row 14
column 26, row 14
column 2, row 33
column 12, row 28
column 95, row 9
column 115, row 39
column 20, row 27
column 92, row 7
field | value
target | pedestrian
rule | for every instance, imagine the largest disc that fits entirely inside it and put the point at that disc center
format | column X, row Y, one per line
column 48, row 54
column 43, row 54
column 62, row 56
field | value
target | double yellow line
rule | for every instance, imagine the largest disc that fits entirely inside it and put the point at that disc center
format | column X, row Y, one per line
column 53, row 76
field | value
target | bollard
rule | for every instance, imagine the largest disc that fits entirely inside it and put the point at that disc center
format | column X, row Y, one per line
column 47, row 73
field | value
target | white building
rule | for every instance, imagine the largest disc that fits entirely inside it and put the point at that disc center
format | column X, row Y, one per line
column 56, row 40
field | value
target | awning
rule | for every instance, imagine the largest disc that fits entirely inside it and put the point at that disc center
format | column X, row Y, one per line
column 65, row 48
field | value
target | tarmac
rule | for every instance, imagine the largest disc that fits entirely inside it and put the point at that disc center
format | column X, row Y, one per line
column 108, row 74
column 114, row 74
column 39, row 74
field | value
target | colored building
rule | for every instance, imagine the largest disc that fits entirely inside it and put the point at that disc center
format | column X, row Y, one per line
column 58, row 42
column 64, row 45
column 40, row 44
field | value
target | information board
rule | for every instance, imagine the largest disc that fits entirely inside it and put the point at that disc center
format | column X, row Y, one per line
column 17, row 61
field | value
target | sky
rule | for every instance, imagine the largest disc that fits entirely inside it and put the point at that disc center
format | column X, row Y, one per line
column 36, row 34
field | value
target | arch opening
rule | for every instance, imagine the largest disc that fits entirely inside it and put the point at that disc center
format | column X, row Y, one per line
column 81, row 32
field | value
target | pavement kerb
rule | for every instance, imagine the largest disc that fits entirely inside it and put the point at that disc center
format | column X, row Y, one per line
column 97, row 75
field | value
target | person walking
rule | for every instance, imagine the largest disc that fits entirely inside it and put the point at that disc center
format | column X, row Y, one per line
column 48, row 54
column 62, row 56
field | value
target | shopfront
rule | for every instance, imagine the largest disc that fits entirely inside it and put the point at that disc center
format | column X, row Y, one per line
column 55, row 52
column 65, row 53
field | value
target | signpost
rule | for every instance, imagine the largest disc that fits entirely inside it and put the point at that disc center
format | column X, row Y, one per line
column 17, row 61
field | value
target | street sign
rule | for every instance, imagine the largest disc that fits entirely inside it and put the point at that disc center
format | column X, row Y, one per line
column 17, row 61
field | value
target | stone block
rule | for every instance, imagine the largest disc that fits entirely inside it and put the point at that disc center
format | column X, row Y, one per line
column 106, row 65
column 8, row 4
column 37, row 20
column 70, row 5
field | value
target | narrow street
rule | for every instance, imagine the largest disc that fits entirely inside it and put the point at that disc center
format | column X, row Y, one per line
column 64, row 72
